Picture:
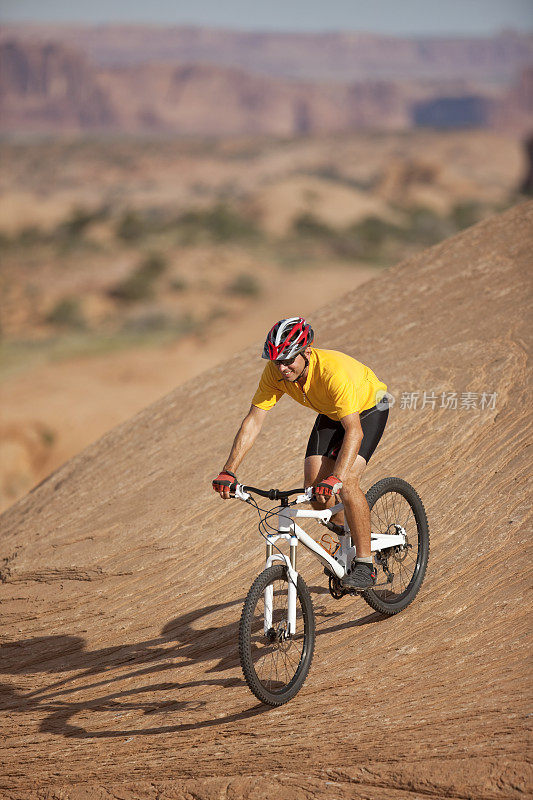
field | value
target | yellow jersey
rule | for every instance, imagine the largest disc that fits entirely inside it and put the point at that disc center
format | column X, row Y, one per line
column 336, row 385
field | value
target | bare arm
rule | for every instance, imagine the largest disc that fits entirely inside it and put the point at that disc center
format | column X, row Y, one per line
column 353, row 436
column 246, row 436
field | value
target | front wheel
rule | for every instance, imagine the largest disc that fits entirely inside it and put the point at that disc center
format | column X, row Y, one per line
column 395, row 504
column 274, row 660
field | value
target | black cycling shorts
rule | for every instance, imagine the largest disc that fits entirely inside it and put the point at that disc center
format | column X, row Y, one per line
column 327, row 434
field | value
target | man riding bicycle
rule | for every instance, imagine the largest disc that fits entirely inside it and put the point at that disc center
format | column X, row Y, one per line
column 352, row 411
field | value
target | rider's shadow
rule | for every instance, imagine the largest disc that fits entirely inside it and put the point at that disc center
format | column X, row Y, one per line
column 179, row 639
column 180, row 644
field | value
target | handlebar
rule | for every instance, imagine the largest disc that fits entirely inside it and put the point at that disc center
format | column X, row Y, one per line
column 272, row 494
column 241, row 492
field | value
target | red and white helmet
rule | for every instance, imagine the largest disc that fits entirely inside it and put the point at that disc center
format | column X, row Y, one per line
column 287, row 338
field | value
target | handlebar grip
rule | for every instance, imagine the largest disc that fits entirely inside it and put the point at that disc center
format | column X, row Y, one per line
column 224, row 483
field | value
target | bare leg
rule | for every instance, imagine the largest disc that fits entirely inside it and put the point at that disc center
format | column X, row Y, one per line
column 363, row 576
column 356, row 509
column 316, row 468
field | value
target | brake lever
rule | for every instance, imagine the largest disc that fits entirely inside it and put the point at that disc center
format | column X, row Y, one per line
column 240, row 494
column 304, row 498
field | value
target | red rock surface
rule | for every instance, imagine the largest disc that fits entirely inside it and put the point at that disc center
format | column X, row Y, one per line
column 124, row 576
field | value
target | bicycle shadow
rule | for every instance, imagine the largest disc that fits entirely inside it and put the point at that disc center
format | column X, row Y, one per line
column 68, row 653
column 59, row 714
column 88, row 671
column 179, row 645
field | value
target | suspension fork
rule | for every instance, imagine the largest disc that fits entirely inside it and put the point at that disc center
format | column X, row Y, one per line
column 292, row 594
column 269, row 591
column 291, row 599
column 284, row 527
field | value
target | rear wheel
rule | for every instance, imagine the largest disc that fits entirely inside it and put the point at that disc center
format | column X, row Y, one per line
column 395, row 505
column 275, row 662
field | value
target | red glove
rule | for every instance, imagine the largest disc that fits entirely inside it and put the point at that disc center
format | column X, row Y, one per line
column 225, row 479
column 328, row 487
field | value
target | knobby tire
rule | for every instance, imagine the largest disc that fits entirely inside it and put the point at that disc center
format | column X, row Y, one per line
column 261, row 657
column 383, row 499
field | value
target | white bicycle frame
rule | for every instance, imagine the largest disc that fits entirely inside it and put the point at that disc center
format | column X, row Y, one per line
column 288, row 529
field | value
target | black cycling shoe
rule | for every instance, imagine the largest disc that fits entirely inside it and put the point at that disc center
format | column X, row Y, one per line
column 363, row 576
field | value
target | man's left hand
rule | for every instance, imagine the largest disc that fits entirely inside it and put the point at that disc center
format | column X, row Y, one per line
column 328, row 487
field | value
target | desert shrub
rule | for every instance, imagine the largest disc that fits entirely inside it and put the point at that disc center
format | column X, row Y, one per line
column 464, row 215
column 218, row 312
column 155, row 321
column 333, row 173
column 139, row 285
column 150, row 321
column 67, row 313
column 422, row 226
column 426, row 227
column 48, row 436
column 340, row 242
column 346, row 245
column 30, row 235
column 133, row 288
column 156, row 220
column 361, row 240
column 374, row 231
column 79, row 220
column 220, row 223
column 153, row 265
column 129, row 227
column 224, row 224
column 178, row 284
column 245, row 285
column 366, row 239
column 307, row 224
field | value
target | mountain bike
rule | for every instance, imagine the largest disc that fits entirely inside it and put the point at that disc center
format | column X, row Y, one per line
column 277, row 625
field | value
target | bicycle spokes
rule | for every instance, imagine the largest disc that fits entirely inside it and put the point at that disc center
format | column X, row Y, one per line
column 274, row 659
column 396, row 508
column 275, row 652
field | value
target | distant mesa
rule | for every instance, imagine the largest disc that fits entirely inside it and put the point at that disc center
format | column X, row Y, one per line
column 53, row 87
column 336, row 56
column 46, row 87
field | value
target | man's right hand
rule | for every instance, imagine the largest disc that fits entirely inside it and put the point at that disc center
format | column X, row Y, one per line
column 225, row 484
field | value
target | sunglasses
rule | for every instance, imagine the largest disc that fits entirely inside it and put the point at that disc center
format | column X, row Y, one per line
column 287, row 362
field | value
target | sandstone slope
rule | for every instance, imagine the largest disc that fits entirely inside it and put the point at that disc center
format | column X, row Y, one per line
column 124, row 575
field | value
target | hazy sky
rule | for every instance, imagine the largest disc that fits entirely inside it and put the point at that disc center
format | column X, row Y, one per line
column 384, row 16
